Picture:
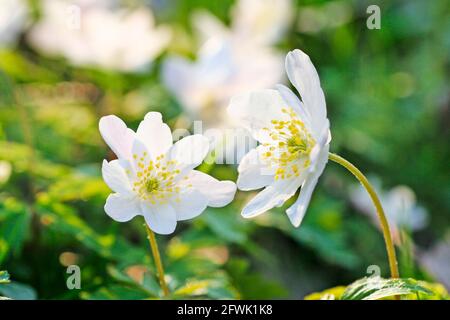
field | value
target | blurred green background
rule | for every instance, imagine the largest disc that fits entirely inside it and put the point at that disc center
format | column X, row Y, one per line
column 387, row 95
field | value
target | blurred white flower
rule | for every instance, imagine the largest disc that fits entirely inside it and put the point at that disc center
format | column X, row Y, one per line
column 400, row 205
column 154, row 178
column 294, row 140
column 204, row 87
column 230, row 60
column 13, row 17
column 99, row 34
column 436, row 261
column 261, row 22
column 5, row 171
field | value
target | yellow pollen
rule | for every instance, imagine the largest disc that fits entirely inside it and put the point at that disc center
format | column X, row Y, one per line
column 290, row 146
column 156, row 179
column 151, row 185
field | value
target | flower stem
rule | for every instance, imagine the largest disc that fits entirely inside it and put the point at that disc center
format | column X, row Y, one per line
column 157, row 257
column 381, row 216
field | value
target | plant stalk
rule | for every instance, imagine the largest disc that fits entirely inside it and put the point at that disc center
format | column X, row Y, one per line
column 157, row 257
column 393, row 265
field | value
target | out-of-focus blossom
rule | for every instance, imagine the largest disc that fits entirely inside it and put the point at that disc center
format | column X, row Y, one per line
column 400, row 206
column 315, row 18
column 221, row 70
column 5, row 171
column 99, row 34
column 231, row 60
column 205, row 86
column 294, row 140
column 436, row 261
column 155, row 178
column 262, row 22
column 13, row 17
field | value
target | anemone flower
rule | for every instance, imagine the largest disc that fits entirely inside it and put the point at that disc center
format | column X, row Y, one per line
column 294, row 140
column 99, row 34
column 155, row 178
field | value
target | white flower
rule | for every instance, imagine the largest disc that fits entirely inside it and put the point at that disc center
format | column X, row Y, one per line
column 99, row 34
column 436, row 260
column 260, row 22
column 5, row 171
column 155, row 178
column 205, row 86
column 13, row 17
column 400, row 205
column 294, row 140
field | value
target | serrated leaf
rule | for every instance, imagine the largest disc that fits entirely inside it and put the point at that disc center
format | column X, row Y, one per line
column 374, row 288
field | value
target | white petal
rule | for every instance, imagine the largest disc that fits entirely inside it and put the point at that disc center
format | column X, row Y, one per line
column 140, row 154
column 304, row 77
column 155, row 134
column 253, row 173
column 297, row 211
column 323, row 141
column 189, row 204
column 161, row 219
column 219, row 193
column 272, row 196
column 115, row 177
column 189, row 152
column 256, row 110
column 294, row 102
column 117, row 136
column 122, row 208
column 177, row 74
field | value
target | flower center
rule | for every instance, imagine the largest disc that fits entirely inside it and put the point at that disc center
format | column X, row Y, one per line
column 290, row 146
column 156, row 179
column 152, row 184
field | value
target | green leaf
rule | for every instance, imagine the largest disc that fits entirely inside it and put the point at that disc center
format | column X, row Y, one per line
column 115, row 292
column 63, row 219
column 15, row 220
column 210, row 288
column 253, row 285
column 147, row 284
column 374, row 288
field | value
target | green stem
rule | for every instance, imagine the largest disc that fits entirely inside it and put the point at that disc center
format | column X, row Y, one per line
column 393, row 265
column 157, row 257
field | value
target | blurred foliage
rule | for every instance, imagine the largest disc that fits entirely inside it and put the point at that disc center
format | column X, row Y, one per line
column 388, row 102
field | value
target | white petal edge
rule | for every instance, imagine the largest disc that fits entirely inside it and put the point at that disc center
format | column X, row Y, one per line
column 272, row 196
column 294, row 102
column 117, row 136
column 189, row 204
column 155, row 134
column 253, row 173
column 115, row 177
column 189, row 152
column 218, row 193
column 122, row 208
column 161, row 219
column 297, row 211
column 303, row 75
column 255, row 110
